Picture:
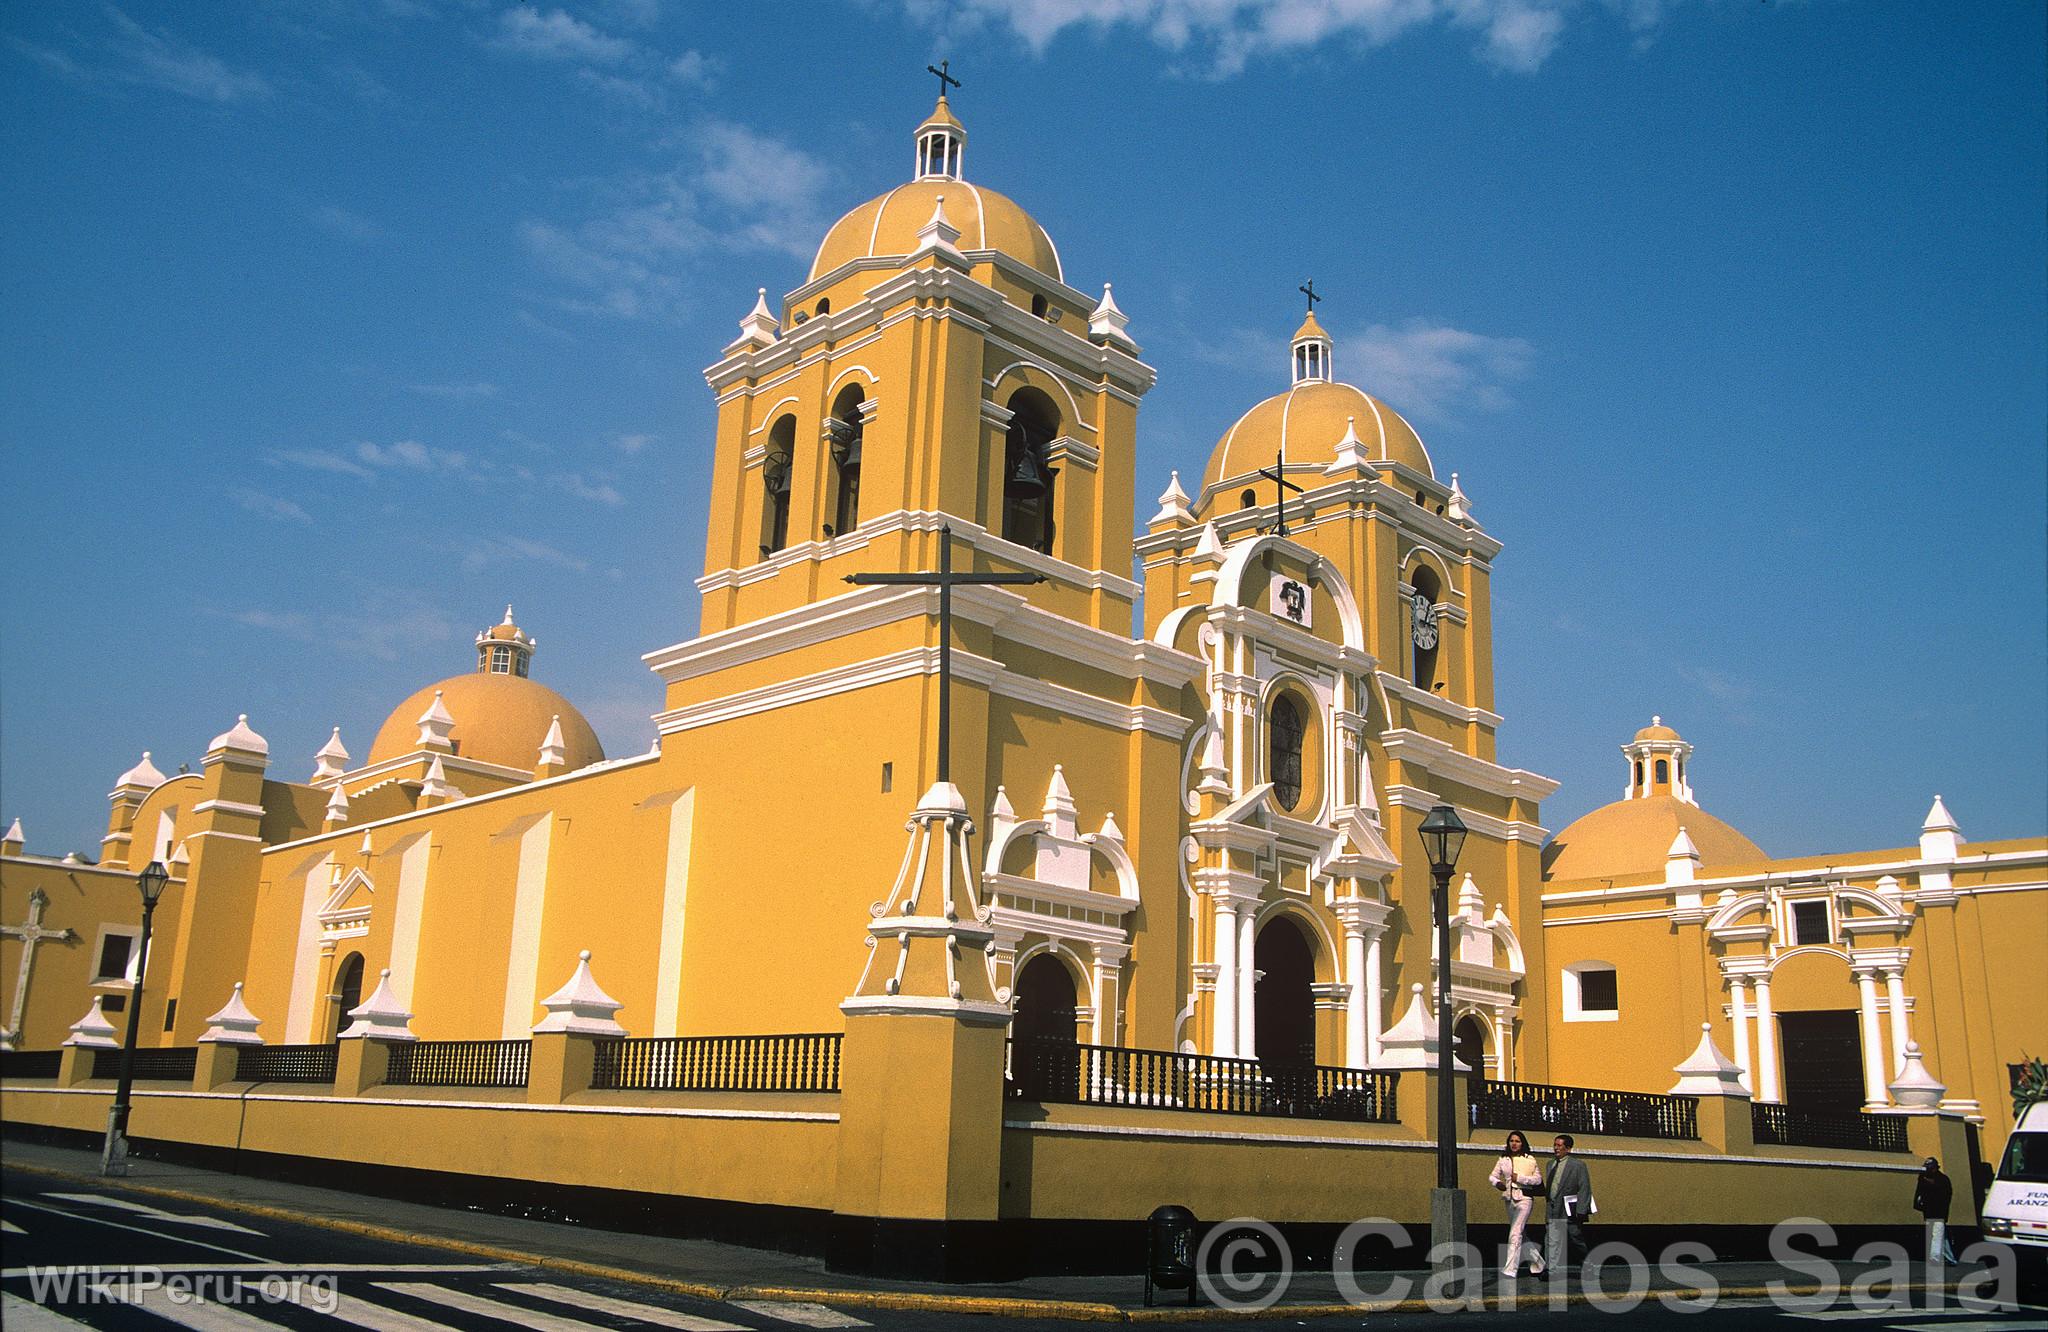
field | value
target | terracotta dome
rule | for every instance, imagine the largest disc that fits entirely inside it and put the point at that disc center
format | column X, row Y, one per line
column 1633, row 836
column 499, row 719
column 1309, row 420
column 887, row 226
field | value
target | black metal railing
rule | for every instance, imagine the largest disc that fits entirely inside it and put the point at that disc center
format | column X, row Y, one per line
column 1536, row 1108
column 459, row 1064
column 805, row 1062
column 286, row 1063
column 1775, row 1125
column 1067, row 1073
column 20, row 1065
column 162, row 1063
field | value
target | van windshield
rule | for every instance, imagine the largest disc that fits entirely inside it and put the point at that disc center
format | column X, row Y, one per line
column 2026, row 1159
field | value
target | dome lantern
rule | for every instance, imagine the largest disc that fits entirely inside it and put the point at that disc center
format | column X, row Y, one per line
column 1311, row 344
column 941, row 144
column 504, row 649
column 1656, row 763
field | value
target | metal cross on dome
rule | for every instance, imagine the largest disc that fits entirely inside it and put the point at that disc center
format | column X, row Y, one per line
column 1308, row 289
column 945, row 580
column 1277, row 474
column 945, row 78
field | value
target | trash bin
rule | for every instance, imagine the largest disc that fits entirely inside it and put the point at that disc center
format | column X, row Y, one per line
column 1170, row 1251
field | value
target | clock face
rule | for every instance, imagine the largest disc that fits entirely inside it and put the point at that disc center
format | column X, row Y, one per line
column 1425, row 621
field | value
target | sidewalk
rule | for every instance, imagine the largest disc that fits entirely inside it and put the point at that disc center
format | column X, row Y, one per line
column 710, row 1270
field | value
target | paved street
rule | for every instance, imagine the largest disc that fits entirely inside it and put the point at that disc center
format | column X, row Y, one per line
column 86, row 1254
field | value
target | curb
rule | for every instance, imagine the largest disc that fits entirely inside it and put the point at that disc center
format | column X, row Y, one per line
column 905, row 1300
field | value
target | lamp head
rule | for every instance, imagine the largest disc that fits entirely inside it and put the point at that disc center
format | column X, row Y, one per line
column 1443, row 836
column 152, row 881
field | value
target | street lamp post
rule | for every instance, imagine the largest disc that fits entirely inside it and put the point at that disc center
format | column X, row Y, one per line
column 1443, row 836
column 114, row 1155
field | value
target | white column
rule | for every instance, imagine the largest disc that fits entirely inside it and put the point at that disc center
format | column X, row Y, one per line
column 1895, row 999
column 1766, row 1043
column 1873, row 1039
column 1357, row 1054
column 1247, row 987
column 1501, row 1071
column 1738, row 1012
column 1375, row 1024
column 1223, row 1040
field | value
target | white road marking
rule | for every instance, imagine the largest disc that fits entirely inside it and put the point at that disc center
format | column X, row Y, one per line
column 191, row 1314
column 22, row 1315
column 477, row 1304
column 646, row 1313
column 803, row 1315
column 375, row 1317
column 122, row 1225
column 158, row 1213
column 10, row 1228
column 110, row 1271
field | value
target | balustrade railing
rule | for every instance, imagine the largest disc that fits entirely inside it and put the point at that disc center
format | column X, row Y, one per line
column 459, row 1064
column 286, row 1063
column 1536, row 1108
column 1775, row 1125
column 159, row 1063
column 804, row 1062
column 21, row 1065
column 1067, row 1073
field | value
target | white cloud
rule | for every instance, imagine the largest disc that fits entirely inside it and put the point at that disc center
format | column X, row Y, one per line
column 487, row 551
column 1424, row 370
column 1222, row 36
column 556, row 35
column 458, row 392
column 394, row 624
column 341, row 222
column 368, row 459
column 633, row 443
column 163, row 61
column 319, row 460
column 270, row 506
column 596, row 491
column 693, row 69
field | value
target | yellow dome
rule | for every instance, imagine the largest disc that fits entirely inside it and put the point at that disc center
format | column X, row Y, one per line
column 1309, row 419
column 498, row 719
column 888, row 226
column 1634, row 836
column 1310, row 329
column 1657, row 730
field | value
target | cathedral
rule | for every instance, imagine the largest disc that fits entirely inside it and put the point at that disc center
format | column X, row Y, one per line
column 1187, row 759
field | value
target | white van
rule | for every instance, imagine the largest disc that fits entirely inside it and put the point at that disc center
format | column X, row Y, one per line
column 2016, row 1209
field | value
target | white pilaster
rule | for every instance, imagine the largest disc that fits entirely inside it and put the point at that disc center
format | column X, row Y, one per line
column 1874, row 1066
column 529, row 901
column 1766, row 1043
column 1738, row 1013
column 1357, row 1051
column 1895, row 1000
column 1224, row 1039
column 675, row 894
column 1375, row 1015
column 1247, row 987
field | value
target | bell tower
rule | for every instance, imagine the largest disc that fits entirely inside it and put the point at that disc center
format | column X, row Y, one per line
column 934, row 369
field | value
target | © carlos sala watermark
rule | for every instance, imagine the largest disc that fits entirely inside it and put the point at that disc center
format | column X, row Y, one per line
column 1246, row 1263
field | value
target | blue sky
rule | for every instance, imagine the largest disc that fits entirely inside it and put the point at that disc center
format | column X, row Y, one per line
column 331, row 327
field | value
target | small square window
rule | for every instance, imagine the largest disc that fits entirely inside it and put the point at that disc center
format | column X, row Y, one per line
column 1598, row 993
column 114, row 949
column 1810, row 924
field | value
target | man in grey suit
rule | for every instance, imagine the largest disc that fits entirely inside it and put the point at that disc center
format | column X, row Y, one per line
column 1568, row 1201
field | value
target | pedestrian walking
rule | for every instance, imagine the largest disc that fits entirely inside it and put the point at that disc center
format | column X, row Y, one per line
column 1519, row 1181
column 1932, row 1193
column 1568, row 1201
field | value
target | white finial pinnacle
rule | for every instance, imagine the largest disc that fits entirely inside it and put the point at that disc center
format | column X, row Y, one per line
column 1351, row 456
column 14, row 833
column 1173, row 505
column 508, row 605
column 583, row 956
column 760, row 328
column 939, row 234
column 1108, row 323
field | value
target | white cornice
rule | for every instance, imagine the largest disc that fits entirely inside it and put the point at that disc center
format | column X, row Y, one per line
column 1443, row 707
column 1506, row 830
column 1439, row 759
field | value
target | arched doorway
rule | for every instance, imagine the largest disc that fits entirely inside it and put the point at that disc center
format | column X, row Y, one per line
column 348, row 989
column 1284, row 1009
column 1468, row 1043
column 1044, row 1062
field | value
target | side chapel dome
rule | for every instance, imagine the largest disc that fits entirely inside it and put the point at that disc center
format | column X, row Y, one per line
column 1633, row 835
column 500, row 715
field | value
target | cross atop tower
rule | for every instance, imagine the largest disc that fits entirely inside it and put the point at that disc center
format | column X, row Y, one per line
column 946, row 80
column 1308, row 289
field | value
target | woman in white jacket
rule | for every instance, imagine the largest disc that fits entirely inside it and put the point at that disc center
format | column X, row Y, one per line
column 1519, row 1180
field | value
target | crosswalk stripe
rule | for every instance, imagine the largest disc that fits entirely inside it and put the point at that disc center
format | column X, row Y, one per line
column 199, row 1317
column 10, row 1228
column 140, row 1230
column 477, row 1304
column 142, row 1209
column 803, row 1315
column 646, row 1313
column 374, row 1317
column 22, row 1315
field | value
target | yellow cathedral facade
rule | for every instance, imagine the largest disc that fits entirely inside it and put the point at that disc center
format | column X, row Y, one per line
column 1193, row 758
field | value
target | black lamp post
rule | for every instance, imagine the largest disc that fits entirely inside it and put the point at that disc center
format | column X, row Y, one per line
column 1443, row 836
column 114, row 1155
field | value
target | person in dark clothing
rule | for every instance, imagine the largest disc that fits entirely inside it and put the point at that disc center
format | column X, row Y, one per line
column 1568, row 1201
column 1932, row 1193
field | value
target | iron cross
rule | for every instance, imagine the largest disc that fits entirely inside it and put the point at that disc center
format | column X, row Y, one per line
column 30, row 935
column 945, row 580
column 1308, row 289
column 1281, row 485
column 945, row 79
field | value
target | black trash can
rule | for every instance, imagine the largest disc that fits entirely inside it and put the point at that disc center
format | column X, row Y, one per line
column 1170, row 1251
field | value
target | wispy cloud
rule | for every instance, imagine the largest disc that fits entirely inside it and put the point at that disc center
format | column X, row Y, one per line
column 694, row 69
column 485, row 552
column 339, row 221
column 587, row 488
column 270, row 506
column 147, row 57
column 1733, row 693
column 557, row 35
column 1423, row 369
column 460, row 392
column 633, row 443
column 739, row 190
column 1220, row 37
column 390, row 625
column 368, row 459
